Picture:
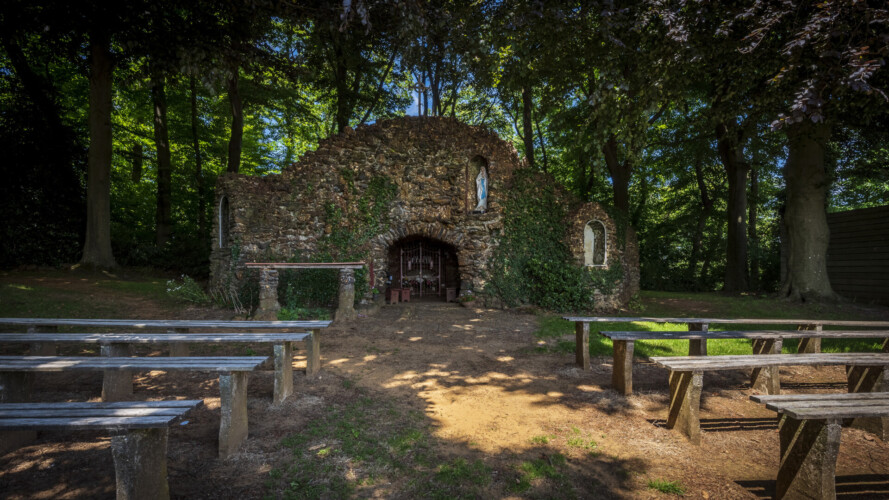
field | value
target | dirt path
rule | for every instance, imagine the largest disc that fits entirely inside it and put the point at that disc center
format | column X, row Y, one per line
column 482, row 393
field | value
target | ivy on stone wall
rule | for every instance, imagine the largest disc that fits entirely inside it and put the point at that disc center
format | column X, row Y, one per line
column 532, row 264
column 349, row 227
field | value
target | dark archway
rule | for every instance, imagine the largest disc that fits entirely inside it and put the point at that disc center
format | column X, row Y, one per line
column 425, row 265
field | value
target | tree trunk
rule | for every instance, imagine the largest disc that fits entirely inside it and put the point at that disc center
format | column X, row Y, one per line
column 805, row 216
column 138, row 158
column 731, row 152
column 163, row 220
column 620, row 176
column 703, row 215
column 237, row 132
column 527, row 125
column 752, row 236
column 542, row 145
column 198, row 161
column 97, row 246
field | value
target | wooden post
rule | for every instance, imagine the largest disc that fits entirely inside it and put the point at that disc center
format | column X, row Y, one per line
column 345, row 310
column 15, row 387
column 869, row 379
column 140, row 464
column 697, row 347
column 178, row 348
column 233, row 402
column 313, row 353
column 767, row 379
column 809, row 451
column 283, row 371
column 117, row 385
column 810, row 345
column 582, row 344
column 622, row 372
column 685, row 403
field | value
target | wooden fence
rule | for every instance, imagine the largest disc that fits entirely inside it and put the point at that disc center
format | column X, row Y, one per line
column 858, row 254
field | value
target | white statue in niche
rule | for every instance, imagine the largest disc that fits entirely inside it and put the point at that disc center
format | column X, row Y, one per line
column 481, row 190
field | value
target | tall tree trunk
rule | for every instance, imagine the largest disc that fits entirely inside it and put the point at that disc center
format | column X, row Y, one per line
column 528, row 124
column 731, row 152
column 237, row 132
column 752, row 236
column 542, row 144
column 703, row 215
column 805, row 217
column 198, row 161
column 163, row 219
column 97, row 246
column 138, row 159
column 620, row 176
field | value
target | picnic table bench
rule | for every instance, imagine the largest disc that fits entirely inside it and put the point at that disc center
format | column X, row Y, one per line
column 764, row 342
column 809, row 434
column 50, row 325
column 233, row 372
column 866, row 372
column 119, row 344
column 139, row 435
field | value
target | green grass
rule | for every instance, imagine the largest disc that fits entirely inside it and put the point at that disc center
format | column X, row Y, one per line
column 303, row 313
column 538, row 469
column 668, row 487
column 18, row 300
column 552, row 329
column 460, row 471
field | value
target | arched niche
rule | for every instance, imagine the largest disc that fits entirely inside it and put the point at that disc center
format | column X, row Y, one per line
column 478, row 182
column 224, row 221
column 595, row 244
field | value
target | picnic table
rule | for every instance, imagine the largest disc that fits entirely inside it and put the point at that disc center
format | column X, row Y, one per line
column 139, row 435
column 866, row 372
column 809, row 332
column 233, row 373
column 119, row 344
column 809, row 434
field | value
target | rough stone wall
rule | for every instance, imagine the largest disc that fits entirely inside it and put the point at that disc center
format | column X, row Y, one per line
column 621, row 250
column 430, row 161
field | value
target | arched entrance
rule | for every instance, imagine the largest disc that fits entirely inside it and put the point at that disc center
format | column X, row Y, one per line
column 427, row 266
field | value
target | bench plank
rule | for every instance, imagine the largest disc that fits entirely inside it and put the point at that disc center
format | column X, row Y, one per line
column 162, row 323
column 153, row 338
column 736, row 362
column 790, row 398
column 724, row 321
column 66, row 363
column 742, row 334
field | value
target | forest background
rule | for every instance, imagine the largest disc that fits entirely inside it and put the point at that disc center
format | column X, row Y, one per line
column 721, row 131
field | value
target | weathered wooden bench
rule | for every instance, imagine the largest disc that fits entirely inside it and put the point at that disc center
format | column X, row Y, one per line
column 50, row 325
column 233, row 372
column 139, row 435
column 866, row 372
column 119, row 344
column 809, row 434
column 764, row 342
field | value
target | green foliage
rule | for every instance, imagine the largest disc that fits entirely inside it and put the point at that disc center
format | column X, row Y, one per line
column 541, row 468
column 668, row 487
column 460, row 471
column 532, row 264
column 188, row 290
column 302, row 313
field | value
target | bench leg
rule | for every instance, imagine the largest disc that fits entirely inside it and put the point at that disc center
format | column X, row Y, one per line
column 178, row 349
column 140, row 464
column 886, row 344
column 808, row 458
column 870, row 379
column 15, row 387
column 233, row 424
column 117, row 385
column 622, row 372
column 582, row 345
column 697, row 347
column 809, row 345
column 685, row 404
column 313, row 353
column 43, row 348
column 283, row 371
column 766, row 380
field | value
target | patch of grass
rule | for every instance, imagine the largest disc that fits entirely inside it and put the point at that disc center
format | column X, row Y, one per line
column 542, row 439
column 21, row 301
column 303, row 313
column 541, row 468
column 153, row 289
column 668, row 487
column 459, row 471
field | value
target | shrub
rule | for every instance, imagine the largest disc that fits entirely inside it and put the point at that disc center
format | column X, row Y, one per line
column 188, row 290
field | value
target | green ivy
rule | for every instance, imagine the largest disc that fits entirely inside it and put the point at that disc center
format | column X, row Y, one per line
column 532, row 264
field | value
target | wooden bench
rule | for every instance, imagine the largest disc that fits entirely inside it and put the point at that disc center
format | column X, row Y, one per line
column 119, row 344
column 50, row 325
column 233, row 372
column 139, row 435
column 866, row 372
column 764, row 342
column 809, row 434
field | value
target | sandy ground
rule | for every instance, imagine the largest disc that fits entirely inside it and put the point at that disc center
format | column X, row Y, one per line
column 483, row 391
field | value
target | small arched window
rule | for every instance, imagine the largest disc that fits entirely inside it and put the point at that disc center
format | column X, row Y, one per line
column 595, row 243
column 224, row 221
